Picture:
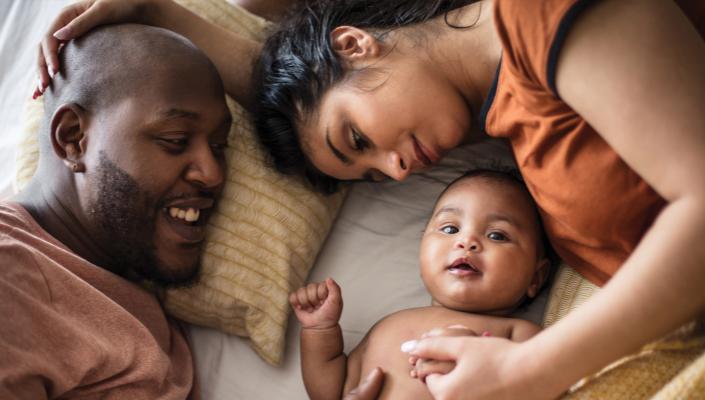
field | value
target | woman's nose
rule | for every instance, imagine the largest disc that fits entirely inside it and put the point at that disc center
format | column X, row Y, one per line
column 396, row 167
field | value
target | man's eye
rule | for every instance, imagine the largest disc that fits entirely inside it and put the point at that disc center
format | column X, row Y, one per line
column 449, row 229
column 219, row 148
column 497, row 236
column 359, row 143
column 175, row 142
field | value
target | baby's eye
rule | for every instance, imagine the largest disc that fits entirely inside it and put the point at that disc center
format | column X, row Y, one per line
column 497, row 236
column 449, row 229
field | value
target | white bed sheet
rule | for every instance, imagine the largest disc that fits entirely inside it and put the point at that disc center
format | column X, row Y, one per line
column 22, row 23
column 372, row 250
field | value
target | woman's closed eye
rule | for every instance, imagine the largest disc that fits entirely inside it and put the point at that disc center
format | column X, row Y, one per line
column 358, row 141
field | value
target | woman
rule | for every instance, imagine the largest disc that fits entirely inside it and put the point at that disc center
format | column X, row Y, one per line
column 601, row 102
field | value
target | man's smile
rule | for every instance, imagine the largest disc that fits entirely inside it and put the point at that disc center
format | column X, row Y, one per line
column 187, row 218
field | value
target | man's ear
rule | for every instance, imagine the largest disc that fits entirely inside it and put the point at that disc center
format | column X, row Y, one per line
column 354, row 45
column 543, row 268
column 68, row 138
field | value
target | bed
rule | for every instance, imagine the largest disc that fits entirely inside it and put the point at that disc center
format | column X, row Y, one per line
column 371, row 249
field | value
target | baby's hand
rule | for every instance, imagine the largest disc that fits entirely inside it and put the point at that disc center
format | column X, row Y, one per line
column 318, row 305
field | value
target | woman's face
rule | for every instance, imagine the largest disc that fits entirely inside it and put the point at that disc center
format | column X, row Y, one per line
column 398, row 117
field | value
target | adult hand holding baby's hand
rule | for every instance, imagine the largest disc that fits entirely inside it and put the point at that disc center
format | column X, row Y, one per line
column 318, row 305
column 485, row 367
column 421, row 367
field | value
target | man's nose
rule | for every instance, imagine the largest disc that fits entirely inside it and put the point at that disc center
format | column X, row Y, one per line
column 205, row 170
column 395, row 166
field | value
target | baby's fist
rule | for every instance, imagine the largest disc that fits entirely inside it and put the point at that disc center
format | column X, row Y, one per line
column 318, row 305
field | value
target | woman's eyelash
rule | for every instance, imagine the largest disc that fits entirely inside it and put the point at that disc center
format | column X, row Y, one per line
column 359, row 143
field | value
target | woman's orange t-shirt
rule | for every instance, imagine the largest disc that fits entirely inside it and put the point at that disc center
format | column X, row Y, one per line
column 594, row 207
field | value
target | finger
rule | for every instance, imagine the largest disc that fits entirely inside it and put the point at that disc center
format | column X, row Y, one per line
column 369, row 389
column 48, row 57
column 79, row 18
column 294, row 300
column 42, row 74
column 312, row 293
column 302, row 297
column 425, row 368
column 449, row 331
column 439, row 385
column 333, row 290
column 438, row 348
column 321, row 291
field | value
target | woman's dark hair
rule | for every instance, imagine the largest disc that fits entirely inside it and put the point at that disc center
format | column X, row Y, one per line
column 298, row 65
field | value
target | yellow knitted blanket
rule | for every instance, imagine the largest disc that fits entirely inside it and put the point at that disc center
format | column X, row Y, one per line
column 671, row 368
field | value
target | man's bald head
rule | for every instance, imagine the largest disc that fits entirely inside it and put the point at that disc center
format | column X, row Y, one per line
column 117, row 61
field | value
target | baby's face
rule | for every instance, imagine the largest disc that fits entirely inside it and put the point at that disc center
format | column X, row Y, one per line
column 479, row 252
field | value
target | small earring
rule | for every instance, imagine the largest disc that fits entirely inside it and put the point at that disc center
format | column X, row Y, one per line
column 78, row 167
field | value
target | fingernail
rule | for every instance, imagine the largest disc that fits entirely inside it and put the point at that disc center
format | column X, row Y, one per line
column 486, row 334
column 458, row 327
column 62, row 33
column 408, row 346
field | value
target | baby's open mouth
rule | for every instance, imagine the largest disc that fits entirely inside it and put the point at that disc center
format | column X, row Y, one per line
column 462, row 267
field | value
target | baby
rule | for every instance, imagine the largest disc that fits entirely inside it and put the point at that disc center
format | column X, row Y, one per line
column 482, row 256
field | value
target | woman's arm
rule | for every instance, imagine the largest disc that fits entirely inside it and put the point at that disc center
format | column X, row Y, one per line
column 635, row 70
column 233, row 55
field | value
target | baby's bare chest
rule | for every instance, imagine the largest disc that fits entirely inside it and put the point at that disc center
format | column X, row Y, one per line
column 383, row 346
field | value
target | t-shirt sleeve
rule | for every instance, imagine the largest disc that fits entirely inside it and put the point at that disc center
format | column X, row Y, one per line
column 532, row 34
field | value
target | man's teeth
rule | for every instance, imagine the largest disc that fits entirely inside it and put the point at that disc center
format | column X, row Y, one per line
column 188, row 215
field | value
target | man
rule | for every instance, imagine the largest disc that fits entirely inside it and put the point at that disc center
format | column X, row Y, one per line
column 131, row 164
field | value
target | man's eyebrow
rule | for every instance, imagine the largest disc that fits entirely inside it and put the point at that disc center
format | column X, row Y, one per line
column 338, row 154
column 178, row 113
column 448, row 209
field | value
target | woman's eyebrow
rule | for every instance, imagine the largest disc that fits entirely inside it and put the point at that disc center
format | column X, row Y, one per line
column 338, row 154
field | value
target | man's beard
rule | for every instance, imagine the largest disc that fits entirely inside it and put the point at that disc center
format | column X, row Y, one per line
column 125, row 217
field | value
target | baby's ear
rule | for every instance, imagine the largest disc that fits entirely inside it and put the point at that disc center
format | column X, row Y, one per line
column 543, row 268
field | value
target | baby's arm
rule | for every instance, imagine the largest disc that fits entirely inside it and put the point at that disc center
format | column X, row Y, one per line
column 318, row 307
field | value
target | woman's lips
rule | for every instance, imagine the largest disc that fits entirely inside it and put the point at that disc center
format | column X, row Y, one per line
column 423, row 155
